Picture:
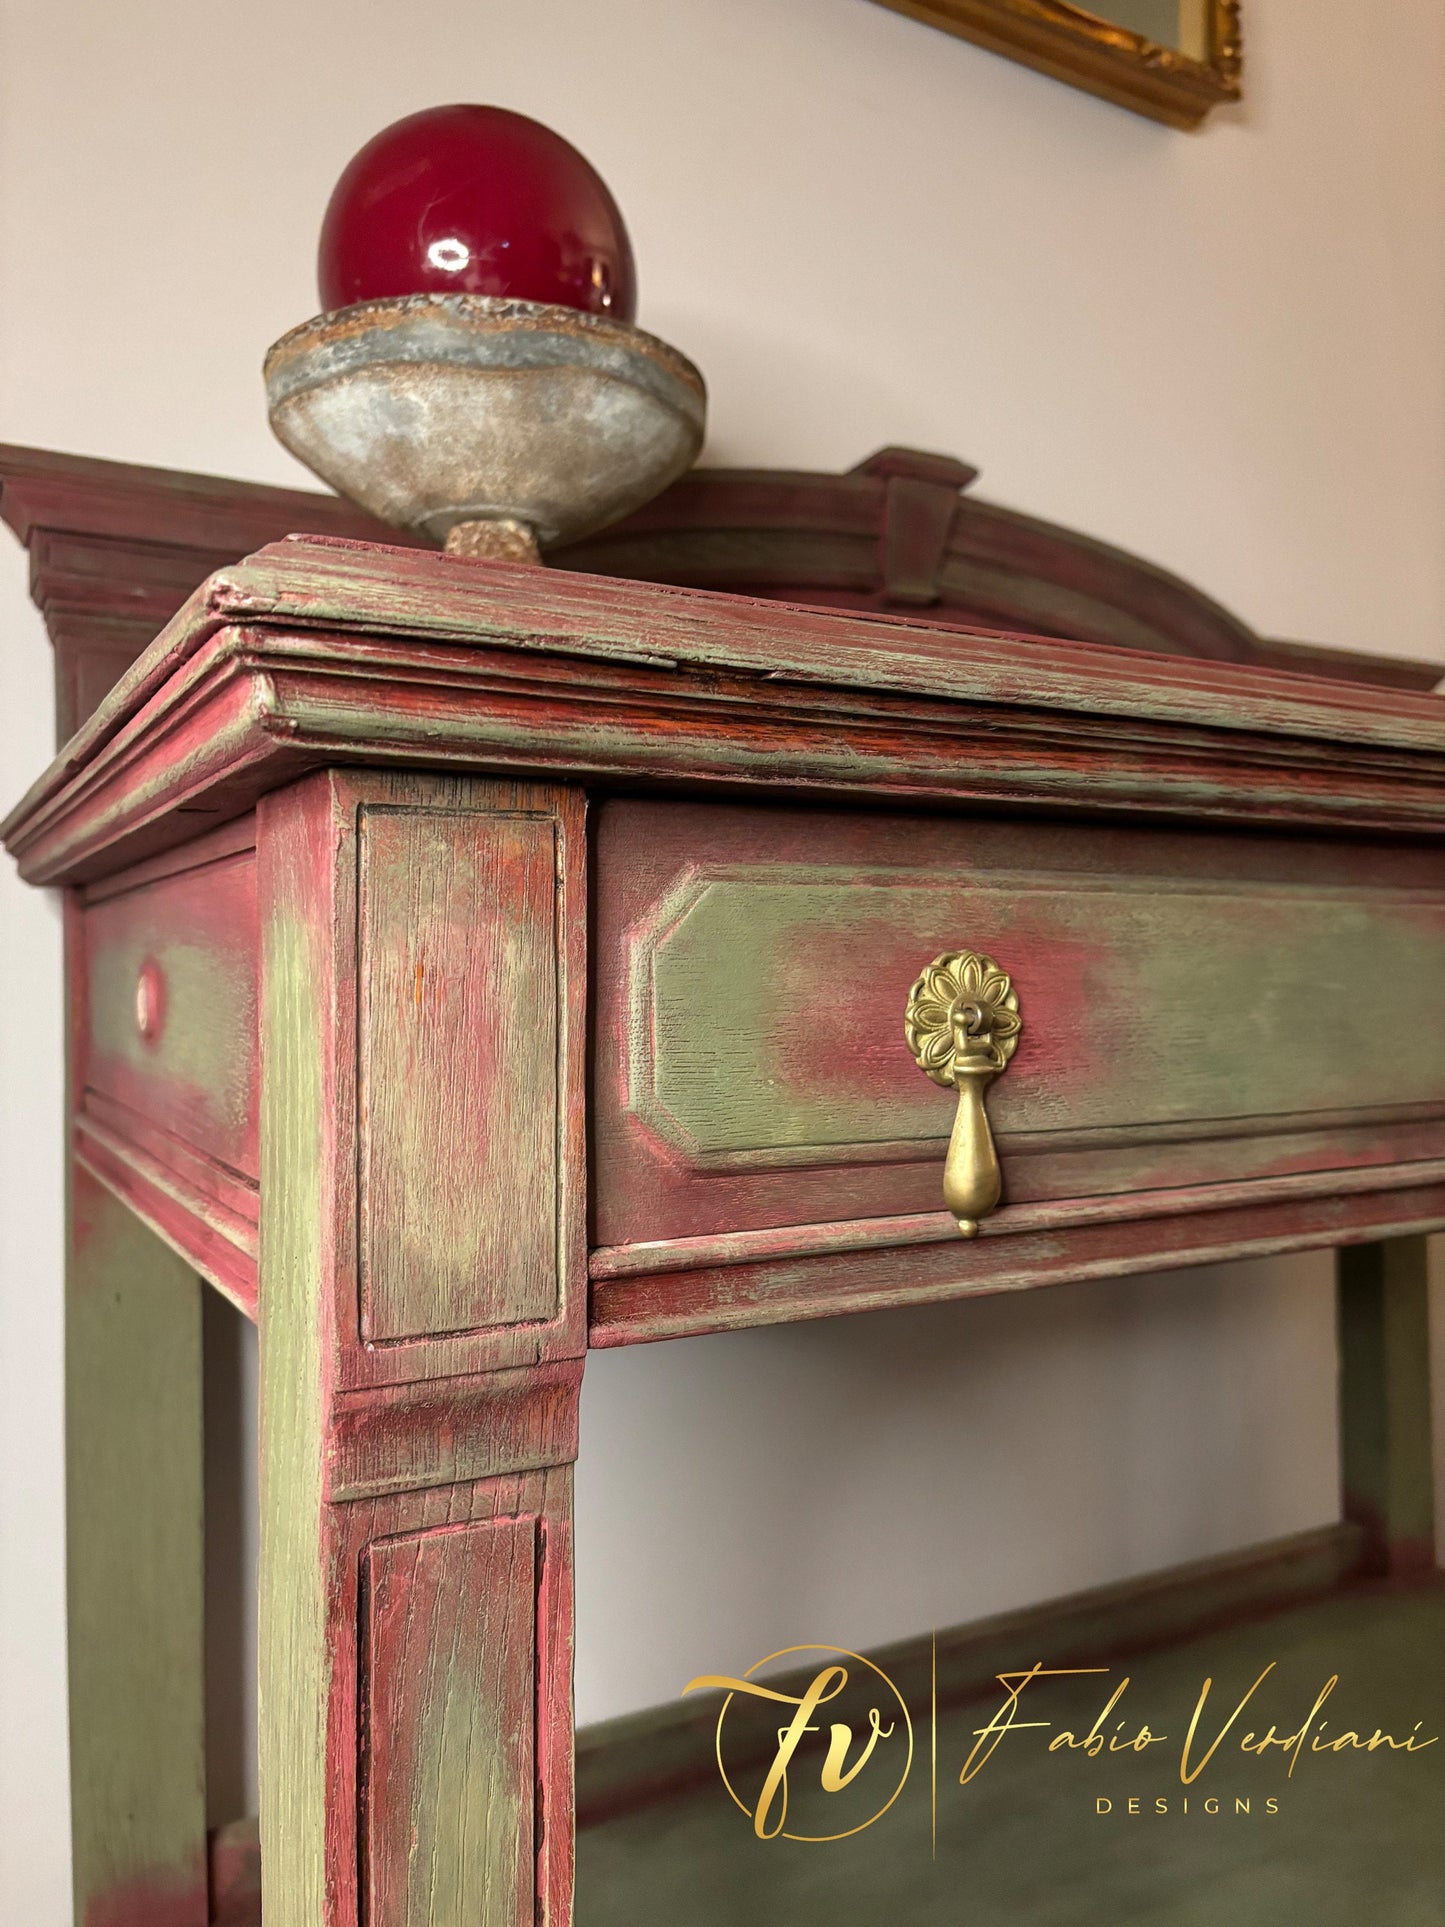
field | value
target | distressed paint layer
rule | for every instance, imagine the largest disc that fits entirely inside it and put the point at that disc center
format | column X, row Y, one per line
column 1199, row 1009
column 309, row 655
column 471, row 1427
column 451, row 1709
column 134, row 1571
column 196, row 1074
column 776, row 1003
column 730, row 1293
column 458, row 1063
column 295, row 1658
column 313, row 656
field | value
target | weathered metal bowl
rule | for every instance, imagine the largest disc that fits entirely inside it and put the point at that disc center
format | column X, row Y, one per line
column 442, row 412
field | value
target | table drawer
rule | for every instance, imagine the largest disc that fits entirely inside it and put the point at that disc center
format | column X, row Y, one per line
column 1196, row 1009
column 167, row 1047
column 171, row 997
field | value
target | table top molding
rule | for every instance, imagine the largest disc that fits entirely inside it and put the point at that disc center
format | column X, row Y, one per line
column 115, row 548
column 318, row 651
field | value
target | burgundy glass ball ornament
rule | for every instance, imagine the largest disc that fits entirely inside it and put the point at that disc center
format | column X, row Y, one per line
column 476, row 377
column 475, row 200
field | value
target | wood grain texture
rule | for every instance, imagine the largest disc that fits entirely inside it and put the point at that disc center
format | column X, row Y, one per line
column 652, row 1256
column 167, row 1050
column 271, row 670
column 459, row 1032
column 191, row 934
column 539, row 921
column 1087, row 1239
column 134, row 1572
column 449, row 1711
column 116, row 548
column 452, row 1430
column 370, row 1491
column 1188, row 1013
column 304, row 1103
column 1387, row 1461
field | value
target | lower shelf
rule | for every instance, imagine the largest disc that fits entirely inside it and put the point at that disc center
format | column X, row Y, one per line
column 1051, row 1840
column 1353, row 1836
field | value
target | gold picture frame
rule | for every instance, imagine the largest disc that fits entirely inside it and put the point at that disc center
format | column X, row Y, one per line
column 1169, row 84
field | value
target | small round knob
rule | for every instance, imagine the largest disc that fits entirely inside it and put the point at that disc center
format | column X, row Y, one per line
column 150, row 1000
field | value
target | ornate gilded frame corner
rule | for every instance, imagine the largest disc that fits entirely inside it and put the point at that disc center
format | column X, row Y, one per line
column 1070, row 43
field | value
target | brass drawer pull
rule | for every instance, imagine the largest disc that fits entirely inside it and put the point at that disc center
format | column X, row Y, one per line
column 962, row 1025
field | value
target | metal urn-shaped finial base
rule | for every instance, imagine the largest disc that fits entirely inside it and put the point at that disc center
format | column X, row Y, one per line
column 498, row 427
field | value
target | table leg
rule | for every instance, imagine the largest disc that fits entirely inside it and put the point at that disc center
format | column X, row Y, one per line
column 1386, row 1436
column 416, row 1695
column 422, row 1306
column 135, row 1570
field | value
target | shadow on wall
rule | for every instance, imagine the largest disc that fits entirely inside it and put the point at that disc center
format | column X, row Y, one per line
column 844, row 1481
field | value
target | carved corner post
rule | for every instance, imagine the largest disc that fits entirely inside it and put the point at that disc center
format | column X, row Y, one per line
column 135, row 1546
column 423, row 1322
column 1386, row 1434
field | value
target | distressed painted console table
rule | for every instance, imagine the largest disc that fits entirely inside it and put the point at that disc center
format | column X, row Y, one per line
column 470, row 965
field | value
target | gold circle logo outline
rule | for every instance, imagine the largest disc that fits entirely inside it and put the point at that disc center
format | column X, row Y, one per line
column 820, row 1839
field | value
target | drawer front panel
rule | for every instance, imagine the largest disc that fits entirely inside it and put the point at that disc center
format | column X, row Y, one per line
column 1195, row 1008
column 171, row 1028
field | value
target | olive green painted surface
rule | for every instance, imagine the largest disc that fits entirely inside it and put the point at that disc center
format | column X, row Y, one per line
column 458, row 1099
column 637, row 1755
column 307, row 656
column 294, row 1661
column 767, row 1010
column 135, row 1568
column 398, row 1639
column 1357, row 1840
column 1386, row 1453
column 197, row 1075
column 451, row 1720
column 205, row 1041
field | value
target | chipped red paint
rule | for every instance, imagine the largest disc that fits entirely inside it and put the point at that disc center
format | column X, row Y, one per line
column 690, row 1287
column 416, row 1532
column 753, row 965
column 181, row 1900
column 195, row 1072
column 116, row 548
column 420, row 740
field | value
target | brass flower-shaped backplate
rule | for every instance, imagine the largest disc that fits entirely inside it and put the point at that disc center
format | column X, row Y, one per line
column 963, row 1011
